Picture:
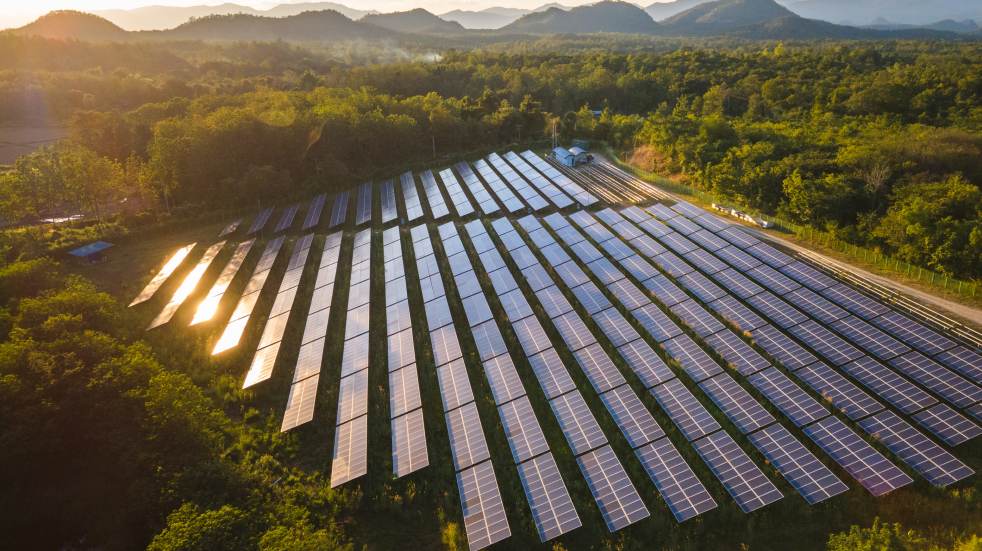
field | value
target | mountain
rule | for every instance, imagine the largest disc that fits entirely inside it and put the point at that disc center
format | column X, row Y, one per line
column 663, row 10
column 73, row 25
column 949, row 25
column 491, row 18
column 167, row 17
column 608, row 16
column 910, row 12
column 724, row 16
column 414, row 21
column 314, row 26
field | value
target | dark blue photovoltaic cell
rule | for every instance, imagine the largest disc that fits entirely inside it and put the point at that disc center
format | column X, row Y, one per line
column 913, row 333
column 964, row 361
column 854, row 301
column 645, row 363
column 782, row 348
column 737, row 353
column 737, row 258
column 870, row 338
column 615, row 327
column 634, row 420
column 739, row 406
column 697, row 318
column 807, row 276
column 733, row 311
column 877, row 474
column 772, row 279
column 769, row 255
column 551, row 373
column 656, row 323
column 664, row 290
column 619, row 502
column 591, row 297
column 826, row 343
column 938, row 379
column 700, row 286
column 579, row 426
column 742, row 479
column 737, row 283
column 778, row 311
column 924, row 456
column 813, row 480
column 815, row 305
column 682, row 491
column 552, row 507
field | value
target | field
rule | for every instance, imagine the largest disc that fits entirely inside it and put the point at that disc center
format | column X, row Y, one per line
column 634, row 327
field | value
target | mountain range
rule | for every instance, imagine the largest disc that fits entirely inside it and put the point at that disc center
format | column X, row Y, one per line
column 493, row 18
column 149, row 18
column 752, row 19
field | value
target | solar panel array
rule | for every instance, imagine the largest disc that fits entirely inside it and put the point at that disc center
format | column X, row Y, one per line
column 409, row 451
column 230, row 228
column 350, row 458
column 187, row 286
column 306, row 371
column 634, row 297
column 209, row 305
column 237, row 323
column 268, row 348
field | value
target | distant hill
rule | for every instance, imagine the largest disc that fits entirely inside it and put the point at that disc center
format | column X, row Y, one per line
column 964, row 27
column 327, row 25
column 413, row 21
column 167, row 17
column 67, row 25
column 663, row 10
column 864, row 12
column 724, row 16
column 608, row 16
column 491, row 18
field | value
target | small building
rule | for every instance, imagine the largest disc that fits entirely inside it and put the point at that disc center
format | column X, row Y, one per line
column 570, row 157
column 91, row 252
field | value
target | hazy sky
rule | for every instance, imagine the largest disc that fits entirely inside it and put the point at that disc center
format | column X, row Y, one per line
column 19, row 12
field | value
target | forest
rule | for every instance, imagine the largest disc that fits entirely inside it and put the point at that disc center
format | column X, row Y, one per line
column 114, row 439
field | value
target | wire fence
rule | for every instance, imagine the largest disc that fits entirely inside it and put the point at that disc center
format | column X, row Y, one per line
column 945, row 285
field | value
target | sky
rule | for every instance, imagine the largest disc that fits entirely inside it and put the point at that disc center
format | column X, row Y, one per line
column 18, row 12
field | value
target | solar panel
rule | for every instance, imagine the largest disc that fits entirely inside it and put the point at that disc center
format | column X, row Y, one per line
column 467, row 442
column 571, row 274
column 870, row 338
column 638, row 267
column 813, row 480
column 339, row 210
column 300, row 403
column 683, row 225
column 165, row 272
column 931, row 461
column 737, row 258
column 964, row 361
column 697, row 318
column 578, row 424
column 777, row 310
column 662, row 211
column 738, row 236
column 505, row 383
column 631, row 416
column 615, row 327
column 551, row 373
column 807, row 275
column 619, row 502
column 387, row 199
column 350, row 459
column 260, row 222
column 531, row 336
column 705, row 261
column 677, row 242
column 401, row 351
column 552, row 507
column 815, row 305
column 504, row 193
column 645, row 363
column 286, row 219
column 736, row 352
column 672, row 264
column 788, row 397
column 409, row 452
column 403, row 390
column 536, row 277
column 353, row 396
column 877, row 474
column 553, row 301
column 742, row 479
column 647, row 246
column 410, row 197
column 598, row 368
column 693, row 359
column 455, row 387
column 209, row 305
column 656, row 323
column 742, row 409
column 684, row 409
column 446, row 347
column 682, row 491
column 951, row 427
column 837, row 390
column 438, row 207
column 782, row 348
column 736, row 313
column 664, row 290
column 230, row 228
column 826, row 343
column 363, row 212
column 769, row 255
column 888, row 385
column 525, row 438
column 708, row 240
column 854, row 301
column 605, row 271
column 535, row 201
column 554, row 254
column 710, row 222
column 938, row 379
column 916, row 334
column 591, row 298
column 485, row 521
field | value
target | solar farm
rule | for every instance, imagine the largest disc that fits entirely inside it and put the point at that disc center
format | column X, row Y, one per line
column 573, row 328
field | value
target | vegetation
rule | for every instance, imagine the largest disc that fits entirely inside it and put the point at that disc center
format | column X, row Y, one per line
column 116, row 439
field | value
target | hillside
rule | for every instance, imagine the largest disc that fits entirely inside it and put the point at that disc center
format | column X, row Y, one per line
column 413, row 21
column 491, row 18
column 72, row 25
column 663, row 10
column 327, row 25
column 724, row 16
column 167, row 17
column 608, row 16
